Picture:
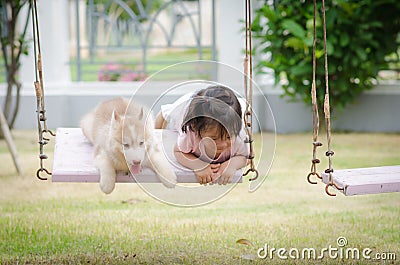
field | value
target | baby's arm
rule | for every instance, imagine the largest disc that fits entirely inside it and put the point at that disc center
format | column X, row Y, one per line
column 204, row 171
column 159, row 122
column 228, row 169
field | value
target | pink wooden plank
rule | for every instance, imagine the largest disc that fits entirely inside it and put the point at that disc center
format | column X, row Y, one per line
column 73, row 160
column 367, row 180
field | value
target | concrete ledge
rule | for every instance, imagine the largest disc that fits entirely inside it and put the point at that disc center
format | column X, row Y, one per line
column 377, row 110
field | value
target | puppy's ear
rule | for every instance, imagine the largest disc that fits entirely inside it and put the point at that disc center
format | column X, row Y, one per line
column 114, row 118
column 141, row 114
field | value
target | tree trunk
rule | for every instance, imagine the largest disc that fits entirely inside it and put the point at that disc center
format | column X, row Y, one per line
column 13, row 45
column 10, row 143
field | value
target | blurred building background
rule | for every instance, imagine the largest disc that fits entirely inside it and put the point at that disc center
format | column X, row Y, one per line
column 96, row 49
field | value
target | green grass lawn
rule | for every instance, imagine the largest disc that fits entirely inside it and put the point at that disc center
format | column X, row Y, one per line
column 48, row 223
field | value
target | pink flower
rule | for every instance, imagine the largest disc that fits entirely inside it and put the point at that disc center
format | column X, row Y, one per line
column 130, row 76
column 112, row 67
column 103, row 77
column 118, row 72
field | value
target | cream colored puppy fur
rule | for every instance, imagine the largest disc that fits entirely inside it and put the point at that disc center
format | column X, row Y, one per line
column 122, row 135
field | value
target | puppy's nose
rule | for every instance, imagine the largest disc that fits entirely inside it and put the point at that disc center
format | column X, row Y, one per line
column 136, row 162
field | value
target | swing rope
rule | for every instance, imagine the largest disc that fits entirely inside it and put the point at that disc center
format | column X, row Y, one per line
column 315, row 115
column 327, row 112
column 329, row 153
column 248, row 89
column 39, row 88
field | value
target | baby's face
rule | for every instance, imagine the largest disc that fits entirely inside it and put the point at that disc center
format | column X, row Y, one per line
column 214, row 143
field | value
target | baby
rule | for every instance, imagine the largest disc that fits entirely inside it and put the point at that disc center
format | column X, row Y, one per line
column 211, row 138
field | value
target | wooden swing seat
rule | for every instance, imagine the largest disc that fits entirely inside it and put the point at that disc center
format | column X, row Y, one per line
column 73, row 160
column 366, row 180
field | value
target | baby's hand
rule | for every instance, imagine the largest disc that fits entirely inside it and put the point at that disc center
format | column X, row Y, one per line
column 207, row 174
column 225, row 173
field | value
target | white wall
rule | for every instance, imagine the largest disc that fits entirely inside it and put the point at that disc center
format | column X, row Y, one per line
column 230, row 38
column 374, row 111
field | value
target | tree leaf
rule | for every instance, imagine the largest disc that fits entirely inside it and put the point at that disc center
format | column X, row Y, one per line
column 376, row 24
column 265, row 63
column 360, row 34
column 361, row 54
column 319, row 53
column 294, row 42
column 308, row 41
column 344, row 39
column 301, row 69
column 294, row 28
column 245, row 242
column 329, row 48
column 269, row 13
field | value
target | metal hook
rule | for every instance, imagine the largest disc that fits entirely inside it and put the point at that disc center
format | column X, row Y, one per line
column 251, row 170
column 50, row 132
column 41, row 170
column 314, row 171
column 311, row 174
column 329, row 185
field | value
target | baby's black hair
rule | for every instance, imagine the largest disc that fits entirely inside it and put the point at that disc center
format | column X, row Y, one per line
column 214, row 106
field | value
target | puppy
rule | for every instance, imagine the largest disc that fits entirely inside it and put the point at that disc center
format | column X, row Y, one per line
column 122, row 135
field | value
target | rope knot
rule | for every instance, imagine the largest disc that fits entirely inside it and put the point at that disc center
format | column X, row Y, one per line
column 329, row 153
column 317, row 143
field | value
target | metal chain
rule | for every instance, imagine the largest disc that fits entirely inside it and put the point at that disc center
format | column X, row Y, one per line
column 248, row 88
column 38, row 84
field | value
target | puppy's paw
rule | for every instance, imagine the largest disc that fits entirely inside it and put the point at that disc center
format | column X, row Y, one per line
column 107, row 185
column 107, row 173
column 169, row 181
column 163, row 169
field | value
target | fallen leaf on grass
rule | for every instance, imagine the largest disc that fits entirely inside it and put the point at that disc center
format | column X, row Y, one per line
column 245, row 242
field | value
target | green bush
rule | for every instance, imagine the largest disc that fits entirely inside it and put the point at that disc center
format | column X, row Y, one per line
column 360, row 36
